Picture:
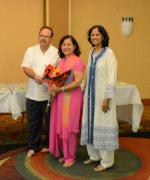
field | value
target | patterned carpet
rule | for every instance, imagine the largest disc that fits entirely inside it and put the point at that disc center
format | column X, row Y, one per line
column 132, row 159
column 131, row 163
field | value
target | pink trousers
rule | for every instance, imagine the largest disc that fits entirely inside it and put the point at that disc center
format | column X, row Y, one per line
column 69, row 147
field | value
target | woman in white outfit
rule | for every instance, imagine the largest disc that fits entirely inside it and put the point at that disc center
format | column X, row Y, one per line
column 99, row 124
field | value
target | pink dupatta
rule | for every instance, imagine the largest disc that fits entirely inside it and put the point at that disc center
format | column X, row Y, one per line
column 64, row 126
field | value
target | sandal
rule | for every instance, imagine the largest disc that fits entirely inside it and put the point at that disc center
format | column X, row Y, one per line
column 99, row 168
column 44, row 150
column 61, row 160
column 88, row 161
column 67, row 165
column 30, row 153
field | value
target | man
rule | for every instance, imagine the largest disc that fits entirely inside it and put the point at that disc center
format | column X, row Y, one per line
column 35, row 60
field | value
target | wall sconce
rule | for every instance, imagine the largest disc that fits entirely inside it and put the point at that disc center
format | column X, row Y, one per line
column 127, row 26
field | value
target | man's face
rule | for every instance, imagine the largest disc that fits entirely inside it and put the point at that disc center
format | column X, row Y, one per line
column 45, row 38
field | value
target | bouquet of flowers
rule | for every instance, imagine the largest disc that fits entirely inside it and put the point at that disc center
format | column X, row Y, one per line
column 54, row 76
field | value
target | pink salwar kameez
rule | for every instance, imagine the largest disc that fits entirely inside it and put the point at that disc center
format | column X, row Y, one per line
column 66, row 110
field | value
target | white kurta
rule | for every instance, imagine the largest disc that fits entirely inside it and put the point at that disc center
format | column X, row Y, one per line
column 105, row 127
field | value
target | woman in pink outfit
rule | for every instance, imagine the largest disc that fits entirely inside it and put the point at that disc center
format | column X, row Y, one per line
column 67, row 104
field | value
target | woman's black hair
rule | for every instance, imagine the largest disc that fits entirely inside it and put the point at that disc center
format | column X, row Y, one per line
column 102, row 30
column 77, row 51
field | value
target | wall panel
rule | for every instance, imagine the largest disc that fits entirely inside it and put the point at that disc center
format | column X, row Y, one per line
column 132, row 52
column 20, row 23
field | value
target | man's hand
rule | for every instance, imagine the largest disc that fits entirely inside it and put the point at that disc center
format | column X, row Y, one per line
column 38, row 79
column 30, row 73
column 105, row 105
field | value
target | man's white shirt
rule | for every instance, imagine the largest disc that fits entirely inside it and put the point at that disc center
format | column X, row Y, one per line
column 35, row 59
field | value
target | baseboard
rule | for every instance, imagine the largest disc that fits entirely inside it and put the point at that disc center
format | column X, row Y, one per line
column 146, row 102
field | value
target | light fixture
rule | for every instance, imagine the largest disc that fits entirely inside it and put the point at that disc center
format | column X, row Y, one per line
column 127, row 26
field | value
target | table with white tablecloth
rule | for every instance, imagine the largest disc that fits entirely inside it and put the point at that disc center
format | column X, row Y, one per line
column 129, row 106
column 12, row 99
column 17, row 106
column 5, row 99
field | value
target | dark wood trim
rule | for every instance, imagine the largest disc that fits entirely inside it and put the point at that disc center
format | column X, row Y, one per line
column 146, row 102
column 44, row 12
column 5, row 113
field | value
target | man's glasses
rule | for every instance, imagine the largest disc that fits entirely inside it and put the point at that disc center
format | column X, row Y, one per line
column 43, row 36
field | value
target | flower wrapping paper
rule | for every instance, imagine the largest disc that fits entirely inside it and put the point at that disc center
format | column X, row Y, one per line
column 54, row 76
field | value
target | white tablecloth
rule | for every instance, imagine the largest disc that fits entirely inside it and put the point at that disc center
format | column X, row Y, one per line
column 12, row 99
column 129, row 106
column 5, row 99
column 18, row 99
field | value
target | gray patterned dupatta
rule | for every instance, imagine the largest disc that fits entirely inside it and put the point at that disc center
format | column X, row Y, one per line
column 91, row 94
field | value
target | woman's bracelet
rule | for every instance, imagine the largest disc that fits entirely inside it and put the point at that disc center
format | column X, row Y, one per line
column 62, row 89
